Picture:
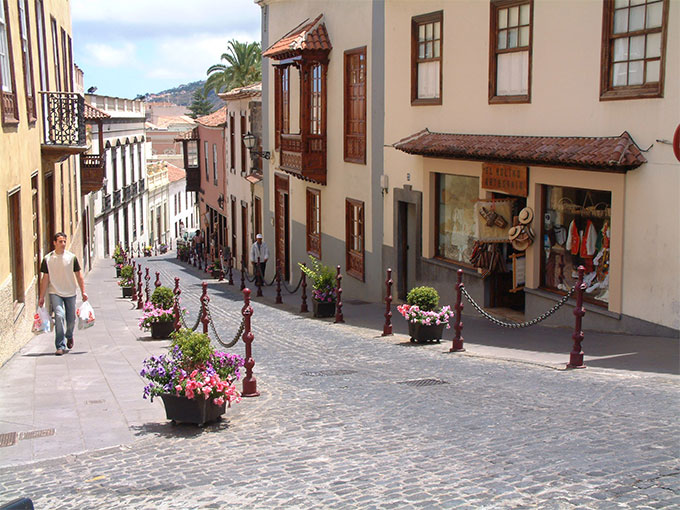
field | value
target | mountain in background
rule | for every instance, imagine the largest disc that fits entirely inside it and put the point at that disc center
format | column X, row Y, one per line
column 182, row 95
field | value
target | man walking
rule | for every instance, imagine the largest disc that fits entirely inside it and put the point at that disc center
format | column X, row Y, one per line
column 61, row 272
column 259, row 252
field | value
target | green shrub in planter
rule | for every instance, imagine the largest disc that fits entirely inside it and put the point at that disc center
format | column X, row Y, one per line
column 195, row 347
column 163, row 297
column 127, row 276
column 426, row 298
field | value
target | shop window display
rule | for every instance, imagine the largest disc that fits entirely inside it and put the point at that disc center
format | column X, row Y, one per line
column 576, row 231
column 455, row 222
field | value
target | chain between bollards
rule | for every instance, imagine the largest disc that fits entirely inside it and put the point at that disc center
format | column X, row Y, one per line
column 338, row 297
column 387, row 328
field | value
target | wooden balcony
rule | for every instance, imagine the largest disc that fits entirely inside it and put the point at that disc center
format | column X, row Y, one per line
column 63, row 125
column 304, row 156
column 92, row 173
column 193, row 179
column 106, row 202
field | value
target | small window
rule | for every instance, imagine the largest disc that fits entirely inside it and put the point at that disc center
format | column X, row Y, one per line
column 26, row 55
column 215, row 163
column 510, row 55
column 192, row 153
column 633, row 48
column 354, row 238
column 244, row 150
column 285, row 100
column 55, row 52
column 455, row 216
column 206, row 154
column 232, row 143
column 355, row 106
column 314, row 222
column 10, row 107
column 426, row 58
column 316, row 104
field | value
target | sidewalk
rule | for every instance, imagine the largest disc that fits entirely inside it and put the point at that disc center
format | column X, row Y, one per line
column 98, row 399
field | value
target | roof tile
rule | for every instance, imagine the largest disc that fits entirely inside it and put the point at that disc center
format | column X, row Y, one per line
column 308, row 35
column 215, row 119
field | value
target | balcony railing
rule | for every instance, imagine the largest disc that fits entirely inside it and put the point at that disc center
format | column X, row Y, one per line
column 304, row 156
column 106, row 202
column 10, row 110
column 133, row 188
column 116, row 198
column 92, row 172
column 127, row 193
column 64, row 125
column 141, row 186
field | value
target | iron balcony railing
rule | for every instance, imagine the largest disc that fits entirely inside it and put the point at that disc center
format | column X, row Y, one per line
column 63, row 120
column 106, row 202
column 116, row 198
column 133, row 188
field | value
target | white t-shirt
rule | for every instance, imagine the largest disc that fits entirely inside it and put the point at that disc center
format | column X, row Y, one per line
column 60, row 268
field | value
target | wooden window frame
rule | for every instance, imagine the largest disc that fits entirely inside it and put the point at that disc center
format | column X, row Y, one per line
column 42, row 49
column 244, row 150
column 9, row 104
column 494, row 98
column 206, row 159
column 416, row 21
column 313, row 238
column 55, row 50
column 27, row 57
column 651, row 90
column 258, row 215
column 285, row 100
column 277, row 106
column 354, row 258
column 316, row 113
column 214, row 165
column 232, row 143
column 349, row 103
column 16, row 245
column 64, row 60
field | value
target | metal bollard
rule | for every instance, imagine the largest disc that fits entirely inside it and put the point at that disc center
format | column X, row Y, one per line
column 146, row 282
column 176, row 309
column 457, row 344
column 387, row 328
column 204, row 308
column 303, row 305
column 157, row 283
column 576, row 355
column 134, row 287
column 338, row 297
column 279, row 300
column 140, row 303
column 249, row 381
column 231, row 267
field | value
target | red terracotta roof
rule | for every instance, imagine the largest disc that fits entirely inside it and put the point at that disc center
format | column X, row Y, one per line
column 609, row 153
column 307, row 36
column 218, row 118
column 252, row 90
column 175, row 173
column 92, row 113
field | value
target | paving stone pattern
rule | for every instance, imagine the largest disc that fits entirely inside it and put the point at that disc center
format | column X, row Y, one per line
column 335, row 429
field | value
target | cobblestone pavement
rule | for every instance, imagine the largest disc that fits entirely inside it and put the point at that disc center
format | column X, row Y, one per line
column 337, row 427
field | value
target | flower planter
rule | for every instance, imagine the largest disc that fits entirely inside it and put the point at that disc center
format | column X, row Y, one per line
column 127, row 292
column 422, row 333
column 323, row 308
column 196, row 410
column 161, row 330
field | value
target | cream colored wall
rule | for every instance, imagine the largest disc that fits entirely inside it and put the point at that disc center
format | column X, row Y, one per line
column 565, row 102
column 349, row 27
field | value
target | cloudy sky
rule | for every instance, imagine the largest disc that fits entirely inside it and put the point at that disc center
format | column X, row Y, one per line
column 131, row 47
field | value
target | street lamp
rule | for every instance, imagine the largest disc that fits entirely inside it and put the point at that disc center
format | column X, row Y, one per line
column 249, row 141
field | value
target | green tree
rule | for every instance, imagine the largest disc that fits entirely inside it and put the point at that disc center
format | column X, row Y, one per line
column 243, row 67
column 200, row 105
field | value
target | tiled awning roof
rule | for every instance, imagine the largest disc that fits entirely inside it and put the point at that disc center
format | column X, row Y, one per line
column 610, row 153
column 253, row 90
column 215, row 119
column 92, row 113
column 307, row 36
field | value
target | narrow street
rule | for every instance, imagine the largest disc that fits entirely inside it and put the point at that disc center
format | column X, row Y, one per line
column 346, row 419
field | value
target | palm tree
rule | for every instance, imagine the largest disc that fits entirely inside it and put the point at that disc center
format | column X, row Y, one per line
column 243, row 67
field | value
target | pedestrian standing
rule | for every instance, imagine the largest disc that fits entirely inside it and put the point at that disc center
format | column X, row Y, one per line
column 61, row 274
column 259, row 252
column 198, row 240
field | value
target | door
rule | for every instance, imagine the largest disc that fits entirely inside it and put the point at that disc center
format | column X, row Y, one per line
column 281, row 223
column 406, row 248
column 49, row 211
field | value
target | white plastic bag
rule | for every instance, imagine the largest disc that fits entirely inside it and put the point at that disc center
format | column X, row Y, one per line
column 85, row 315
column 42, row 322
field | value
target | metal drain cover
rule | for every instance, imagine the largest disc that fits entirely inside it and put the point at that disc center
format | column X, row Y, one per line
column 423, row 382
column 8, row 439
column 34, row 434
column 324, row 373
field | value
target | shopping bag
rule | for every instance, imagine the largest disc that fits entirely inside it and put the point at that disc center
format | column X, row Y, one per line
column 85, row 315
column 42, row 322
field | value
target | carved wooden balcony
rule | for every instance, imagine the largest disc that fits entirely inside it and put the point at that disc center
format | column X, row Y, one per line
column 193, row 179
column 63, row 125
column 92, row 173
column 304, row 156
column 116, row 198
column 127, row 193
column 106, row 202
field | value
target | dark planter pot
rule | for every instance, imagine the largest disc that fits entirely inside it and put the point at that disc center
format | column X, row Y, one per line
column 215, row 274
column 197, row 410
column 422, row 333
column 127, row 292
column 147, row 253
column 323, row 309
column 160, row 330
column 117, row 272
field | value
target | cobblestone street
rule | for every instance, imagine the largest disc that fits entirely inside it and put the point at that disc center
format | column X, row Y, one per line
column 341, row 423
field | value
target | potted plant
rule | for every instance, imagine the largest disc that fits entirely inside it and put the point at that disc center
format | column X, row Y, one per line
column 194, row 381
column 118, row 259
column 215, row 268
column 425, row 321
column 163, row 248
column 147, row 251
column 127, row 280
column 323, row 287
column 158, row 314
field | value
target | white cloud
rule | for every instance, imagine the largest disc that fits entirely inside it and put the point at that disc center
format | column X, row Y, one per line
column 106, row 55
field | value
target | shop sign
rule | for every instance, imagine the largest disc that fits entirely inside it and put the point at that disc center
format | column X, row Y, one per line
column 509, row 179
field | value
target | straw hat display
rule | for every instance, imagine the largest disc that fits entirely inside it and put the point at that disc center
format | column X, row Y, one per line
column 522, row 236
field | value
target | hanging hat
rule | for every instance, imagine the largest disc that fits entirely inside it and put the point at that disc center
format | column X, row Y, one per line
column 526, row 216
column 514, row 232
column 521, row 244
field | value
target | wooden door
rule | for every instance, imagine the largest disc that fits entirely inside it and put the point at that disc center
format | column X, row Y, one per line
column 281, row 222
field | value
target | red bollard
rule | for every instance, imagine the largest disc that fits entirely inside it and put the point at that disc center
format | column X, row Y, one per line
column 204, row 308
column 387, row 328
column 134, row 287
column 231, row 267
column 259, row 277
column 457, row 344
column 176, row 309
column 157, row 283
column 303, row 306
column 576, row 355
column 146, row 282
column 279, row 300
column 140, row 303
column 338, row 297
column 249, row 382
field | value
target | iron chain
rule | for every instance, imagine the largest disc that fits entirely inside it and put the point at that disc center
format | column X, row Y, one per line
column 285, row 286
column 517, row 325
column 236, row 338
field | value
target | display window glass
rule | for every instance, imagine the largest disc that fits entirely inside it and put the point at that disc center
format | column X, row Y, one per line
column 455, row 216
column 576, row 231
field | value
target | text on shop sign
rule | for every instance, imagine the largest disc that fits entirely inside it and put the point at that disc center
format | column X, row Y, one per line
column 508, row 179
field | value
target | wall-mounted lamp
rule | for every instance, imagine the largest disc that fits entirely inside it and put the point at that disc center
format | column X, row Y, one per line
column 384, row 184
column 220, row 201
column 249, row 141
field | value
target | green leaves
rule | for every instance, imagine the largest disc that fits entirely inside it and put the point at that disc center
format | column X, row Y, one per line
column 243, row 67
